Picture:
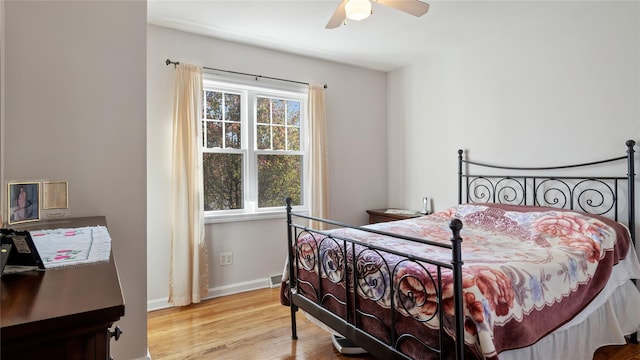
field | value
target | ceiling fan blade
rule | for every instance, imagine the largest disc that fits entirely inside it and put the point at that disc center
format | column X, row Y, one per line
column 338, row 16
column 413, row 7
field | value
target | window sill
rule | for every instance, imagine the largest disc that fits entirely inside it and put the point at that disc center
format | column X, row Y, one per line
column 238, row 217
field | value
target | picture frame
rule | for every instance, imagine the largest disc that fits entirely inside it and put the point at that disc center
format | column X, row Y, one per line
column 23, row 200
column 55, row 195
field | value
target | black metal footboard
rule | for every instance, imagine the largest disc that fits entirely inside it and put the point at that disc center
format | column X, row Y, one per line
column 365, row 292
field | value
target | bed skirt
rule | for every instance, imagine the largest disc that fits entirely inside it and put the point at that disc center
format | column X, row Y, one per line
column 607, row 325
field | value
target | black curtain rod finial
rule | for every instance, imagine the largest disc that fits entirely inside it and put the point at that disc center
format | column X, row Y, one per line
column 169, row 62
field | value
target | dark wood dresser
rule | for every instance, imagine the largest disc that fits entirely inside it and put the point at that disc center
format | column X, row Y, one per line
column 61, row 313
column 383, row 215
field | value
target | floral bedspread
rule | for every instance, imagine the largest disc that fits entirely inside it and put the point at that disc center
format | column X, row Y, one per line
column 527, row 270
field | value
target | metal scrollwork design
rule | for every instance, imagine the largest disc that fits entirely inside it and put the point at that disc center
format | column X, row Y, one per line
column 332, row 259
column 417, row 293
column 553, row 192
column 510, row 191
column 594, row 196
column 306, row 254
column 504, row 190
column 373, row 275
column 482, row 190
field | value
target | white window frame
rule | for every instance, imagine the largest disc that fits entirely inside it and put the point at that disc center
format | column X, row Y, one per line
column 249, row 92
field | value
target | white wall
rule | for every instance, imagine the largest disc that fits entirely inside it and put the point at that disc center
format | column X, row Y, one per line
column 563, row 89
column 356, row 117
column 75, row 110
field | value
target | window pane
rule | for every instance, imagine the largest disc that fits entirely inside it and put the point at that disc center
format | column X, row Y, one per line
column 222, row 181
column 279, row 177
column 213, row 106
column 232, row 135
column 263, row 138
column 214, row 134
column 264, row 109
column 293, row 138
column 232, row 107
column 279, row 138
column 277, row 111
column 293, row 113
column 269, row 168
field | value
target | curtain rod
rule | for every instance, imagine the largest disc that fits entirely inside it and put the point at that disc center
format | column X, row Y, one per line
column 176, row 63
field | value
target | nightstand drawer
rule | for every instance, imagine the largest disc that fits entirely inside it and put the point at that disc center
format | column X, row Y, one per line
column 383, row 215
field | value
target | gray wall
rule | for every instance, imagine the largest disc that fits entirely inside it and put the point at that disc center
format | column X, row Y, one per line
column 74, row 110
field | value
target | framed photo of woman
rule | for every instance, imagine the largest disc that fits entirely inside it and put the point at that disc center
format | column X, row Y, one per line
column 24, row 202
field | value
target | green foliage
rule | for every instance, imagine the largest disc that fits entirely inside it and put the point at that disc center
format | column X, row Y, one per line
column 232, row 107
column 279, row 176
column 213, row 105
column 222, row 181
column 214, row 134
column 277, row 128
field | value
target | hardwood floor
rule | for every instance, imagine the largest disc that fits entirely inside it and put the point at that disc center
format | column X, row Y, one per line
column 253, row 325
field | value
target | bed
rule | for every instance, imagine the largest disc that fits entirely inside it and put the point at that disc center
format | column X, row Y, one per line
column 533, row 263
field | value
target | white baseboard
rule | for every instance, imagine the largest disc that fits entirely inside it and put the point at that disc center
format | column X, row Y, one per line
column 215, row 292
column 238, row 288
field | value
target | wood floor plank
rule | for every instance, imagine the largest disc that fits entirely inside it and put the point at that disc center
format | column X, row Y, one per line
column 253, row 325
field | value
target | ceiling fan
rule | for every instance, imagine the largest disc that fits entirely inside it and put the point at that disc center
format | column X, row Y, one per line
column 361, row 9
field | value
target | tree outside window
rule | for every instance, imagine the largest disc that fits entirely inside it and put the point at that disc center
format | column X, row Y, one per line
column 253, row 150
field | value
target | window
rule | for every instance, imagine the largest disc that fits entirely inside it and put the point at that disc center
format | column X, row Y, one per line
column 253, row 148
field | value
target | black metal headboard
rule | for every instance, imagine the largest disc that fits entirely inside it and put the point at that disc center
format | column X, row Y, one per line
column 591, row 194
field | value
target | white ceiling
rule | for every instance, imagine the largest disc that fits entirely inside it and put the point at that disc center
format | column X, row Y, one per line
column 388, row 39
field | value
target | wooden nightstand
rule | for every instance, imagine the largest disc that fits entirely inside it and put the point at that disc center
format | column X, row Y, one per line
column 382, row 215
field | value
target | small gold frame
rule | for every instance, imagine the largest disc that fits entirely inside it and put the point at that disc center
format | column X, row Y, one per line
column 55, row 195
column 23, row 202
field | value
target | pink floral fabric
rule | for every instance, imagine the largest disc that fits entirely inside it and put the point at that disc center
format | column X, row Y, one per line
column 527, row 270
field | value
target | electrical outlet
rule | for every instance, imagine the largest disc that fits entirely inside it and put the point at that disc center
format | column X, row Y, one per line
column 226, row 258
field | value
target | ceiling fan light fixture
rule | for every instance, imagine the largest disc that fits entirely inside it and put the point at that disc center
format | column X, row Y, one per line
column 358, row 9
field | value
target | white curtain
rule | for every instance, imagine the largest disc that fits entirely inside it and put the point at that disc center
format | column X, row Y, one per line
column 188, row 274
column 318, row 154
